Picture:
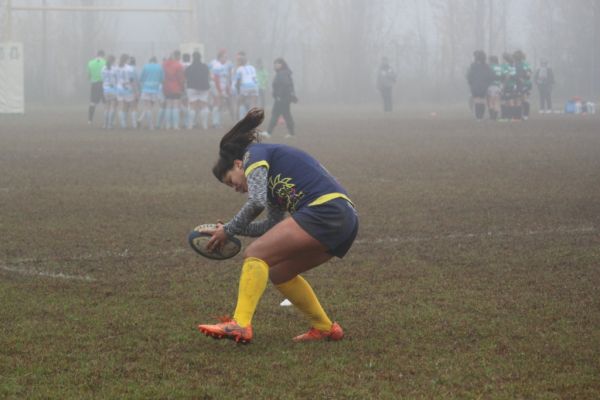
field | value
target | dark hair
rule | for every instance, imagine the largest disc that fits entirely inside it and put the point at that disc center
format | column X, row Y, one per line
column 479, row 56
column 519, row 56
column 196, row 57
column 281, row 61
column 508, row 58
column 100, row 53
column 153, row 59
column 186, row 57
column 123, row 59
column 177, row 54
column 110, row 60
column 241, row 58
column 235, row 142
column 132, row 60
column 493, row 59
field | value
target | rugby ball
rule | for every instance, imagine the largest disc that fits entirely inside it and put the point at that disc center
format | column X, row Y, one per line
column 198, row 239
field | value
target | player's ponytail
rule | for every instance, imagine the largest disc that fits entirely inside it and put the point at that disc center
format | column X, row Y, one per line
column 234, row 143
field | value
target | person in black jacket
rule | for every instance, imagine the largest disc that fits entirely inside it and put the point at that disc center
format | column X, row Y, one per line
column 284, row 95
column 197, row 78
column 544, row 79
column 386, row 78
column 480, row 77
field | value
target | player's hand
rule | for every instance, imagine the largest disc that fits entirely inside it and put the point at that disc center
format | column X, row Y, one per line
column 218, row 239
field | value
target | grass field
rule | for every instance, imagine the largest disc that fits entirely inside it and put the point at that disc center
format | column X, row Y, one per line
column 475, row 273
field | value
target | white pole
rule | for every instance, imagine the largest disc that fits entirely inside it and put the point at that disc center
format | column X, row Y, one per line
column 8, row 24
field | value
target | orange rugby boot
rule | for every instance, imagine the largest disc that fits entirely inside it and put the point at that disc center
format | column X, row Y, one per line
column 313, row 334
column 228, row 329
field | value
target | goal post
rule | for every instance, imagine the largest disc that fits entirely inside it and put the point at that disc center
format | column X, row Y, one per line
column 12, row 93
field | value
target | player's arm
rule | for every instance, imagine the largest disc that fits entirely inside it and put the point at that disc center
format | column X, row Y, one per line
column 258, row 228
column 256, row 203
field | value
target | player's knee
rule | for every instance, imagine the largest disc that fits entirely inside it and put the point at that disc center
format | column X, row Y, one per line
column 253, row 251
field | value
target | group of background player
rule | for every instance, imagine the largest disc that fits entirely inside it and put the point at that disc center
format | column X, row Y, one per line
column 183, row 91
column 503, row 86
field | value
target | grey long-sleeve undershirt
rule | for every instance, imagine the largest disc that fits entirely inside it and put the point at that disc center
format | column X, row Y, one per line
column 241, row 223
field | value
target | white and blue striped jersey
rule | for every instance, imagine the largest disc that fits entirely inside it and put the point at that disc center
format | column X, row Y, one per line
column 109, row 79
column 221, row 73
column 246, row 76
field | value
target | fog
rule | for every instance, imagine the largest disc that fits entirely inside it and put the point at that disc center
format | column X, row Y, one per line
column 333, row 46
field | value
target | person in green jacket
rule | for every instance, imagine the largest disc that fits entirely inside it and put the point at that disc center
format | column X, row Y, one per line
column 95, row 67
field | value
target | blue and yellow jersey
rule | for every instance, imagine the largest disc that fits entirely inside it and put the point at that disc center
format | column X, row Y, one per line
column 295, row 178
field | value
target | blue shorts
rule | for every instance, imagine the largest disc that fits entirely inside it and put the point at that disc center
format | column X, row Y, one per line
column 334, row 224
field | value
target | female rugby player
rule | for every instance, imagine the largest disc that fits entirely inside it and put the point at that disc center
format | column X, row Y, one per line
column 109, row 88
column 323, row 224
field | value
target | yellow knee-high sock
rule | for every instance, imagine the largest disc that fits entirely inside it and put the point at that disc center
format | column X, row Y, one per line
column 253, row 281
column 299, row 292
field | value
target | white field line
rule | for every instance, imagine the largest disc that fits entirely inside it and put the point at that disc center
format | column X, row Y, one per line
column 29, row 271
column 102, row 256
column 451, row 236
column 125, row 254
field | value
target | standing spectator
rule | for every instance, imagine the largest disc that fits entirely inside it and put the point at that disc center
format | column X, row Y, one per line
column 480, row 77
column 220, row 70
column 173, row 86
column 283, row 94
column 386, row 78
column 544, row 79
column 95, row 67
column 246, row 85
column 197, row 77
column 151, row 80
column 262, row 75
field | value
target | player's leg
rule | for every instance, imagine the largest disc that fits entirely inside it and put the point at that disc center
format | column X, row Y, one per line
column 242, row 104
column 168, row 112
column 176, row 112
column 526, row 105
column 286, row 277
column 192, row 109
column 95, row 97
column 287, row 116
column 107, row 104
column 204, row 112
column 286, row 239
column 216, row 110
column 133, row 113
column 299, row 252
column 275, row 114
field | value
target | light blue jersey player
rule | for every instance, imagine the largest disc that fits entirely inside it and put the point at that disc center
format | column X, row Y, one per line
column 245, row 85
column 221, row 71
column 125, row 93
column 151, row 87
column 109, row 89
